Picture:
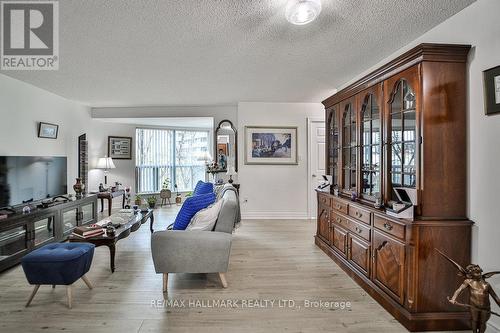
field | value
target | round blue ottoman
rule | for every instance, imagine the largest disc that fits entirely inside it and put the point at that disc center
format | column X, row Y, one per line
column 58, row 264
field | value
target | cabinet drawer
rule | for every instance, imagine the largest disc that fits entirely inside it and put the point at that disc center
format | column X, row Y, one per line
column 339, row 206
column 358, row 229
column 360, row 214
column 324, row 200
column 390, row 227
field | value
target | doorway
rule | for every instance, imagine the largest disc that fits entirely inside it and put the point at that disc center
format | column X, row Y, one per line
column 316, row 138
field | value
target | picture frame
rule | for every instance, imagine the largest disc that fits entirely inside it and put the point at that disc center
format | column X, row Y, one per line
column 120, row 147
column 48, row 130
column 491, row 80
column 271, row 145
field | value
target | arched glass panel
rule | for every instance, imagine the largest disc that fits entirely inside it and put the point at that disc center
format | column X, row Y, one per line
column 334, row 147
column 349, row 148
column 370, row 147
column 403, row 137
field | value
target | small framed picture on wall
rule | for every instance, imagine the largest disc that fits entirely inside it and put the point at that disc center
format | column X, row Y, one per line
column 120, row 147
column 491, row 79
column 47, row 131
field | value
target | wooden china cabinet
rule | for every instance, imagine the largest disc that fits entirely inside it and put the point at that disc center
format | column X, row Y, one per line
column 402, row 126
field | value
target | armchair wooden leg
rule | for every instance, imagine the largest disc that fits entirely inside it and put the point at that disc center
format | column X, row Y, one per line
column 33, row 293
column 87, row 282
column 222, row 277
column 70, row 296
column 165, row 282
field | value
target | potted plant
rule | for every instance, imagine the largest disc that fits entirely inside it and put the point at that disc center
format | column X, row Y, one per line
column 152, row 201
column 178, row 199
column 138, row 200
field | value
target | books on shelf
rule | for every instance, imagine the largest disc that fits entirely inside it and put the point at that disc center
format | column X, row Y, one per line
column 88, row 231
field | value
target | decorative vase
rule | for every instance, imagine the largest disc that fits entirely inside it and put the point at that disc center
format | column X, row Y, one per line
column 78, row 187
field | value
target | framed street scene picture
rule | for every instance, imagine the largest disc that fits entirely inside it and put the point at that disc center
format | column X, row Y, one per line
column 47, row 131
column 270, row 145
column 120, row 147
column 491, row 79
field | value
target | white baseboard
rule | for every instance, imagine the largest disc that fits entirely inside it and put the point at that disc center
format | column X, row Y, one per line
column 273, row 215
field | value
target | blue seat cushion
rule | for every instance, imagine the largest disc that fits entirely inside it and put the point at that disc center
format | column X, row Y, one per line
column 203, row 188
column 190, row 207
column 58, row 263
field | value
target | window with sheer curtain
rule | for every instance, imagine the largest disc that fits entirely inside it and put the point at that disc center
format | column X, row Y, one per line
column 176, row 155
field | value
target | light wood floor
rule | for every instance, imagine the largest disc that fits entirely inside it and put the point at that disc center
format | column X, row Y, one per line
column 270, row 260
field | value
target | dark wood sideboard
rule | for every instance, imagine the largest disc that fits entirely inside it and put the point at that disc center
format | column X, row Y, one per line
column 403, row 125
column 22, row 233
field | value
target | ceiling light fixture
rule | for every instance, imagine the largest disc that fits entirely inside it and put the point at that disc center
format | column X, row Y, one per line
column 300, row 12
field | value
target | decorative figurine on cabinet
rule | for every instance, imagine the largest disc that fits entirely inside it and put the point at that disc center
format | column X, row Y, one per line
column 480, row 292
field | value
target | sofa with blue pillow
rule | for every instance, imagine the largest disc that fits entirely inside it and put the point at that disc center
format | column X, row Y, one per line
column 196, row 251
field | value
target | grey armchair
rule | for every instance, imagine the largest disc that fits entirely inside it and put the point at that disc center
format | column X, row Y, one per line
column 177, row 251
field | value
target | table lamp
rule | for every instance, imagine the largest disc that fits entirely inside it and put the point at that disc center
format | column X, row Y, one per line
column 231, row 172
column 105, row 163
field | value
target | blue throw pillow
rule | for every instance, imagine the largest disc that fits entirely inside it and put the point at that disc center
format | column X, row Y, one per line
column 203, row 188
column 197, row 186
column 190, row 207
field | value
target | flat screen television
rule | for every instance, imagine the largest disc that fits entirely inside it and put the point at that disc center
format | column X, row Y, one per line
column 31, row 178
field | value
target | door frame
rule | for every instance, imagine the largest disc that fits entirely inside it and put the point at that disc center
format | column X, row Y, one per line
column 310, row 121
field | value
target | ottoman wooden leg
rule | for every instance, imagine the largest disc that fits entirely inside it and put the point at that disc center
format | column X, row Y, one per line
column 165, row 282
column 33, row 293
column 87, row 282
column 223, row 280
column 70, row 296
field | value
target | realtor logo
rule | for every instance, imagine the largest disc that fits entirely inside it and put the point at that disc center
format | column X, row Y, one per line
column 29, row 35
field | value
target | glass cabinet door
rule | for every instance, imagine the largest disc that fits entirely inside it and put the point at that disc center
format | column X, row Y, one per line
column 370, row 147
column 333, row 144
column 44, row 230
column 402, row 137
column 70, row 220
column 87, row 213
column 349, row 148
column 13, row 241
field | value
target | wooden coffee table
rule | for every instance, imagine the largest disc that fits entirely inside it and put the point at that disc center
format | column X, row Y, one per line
column 122, row 232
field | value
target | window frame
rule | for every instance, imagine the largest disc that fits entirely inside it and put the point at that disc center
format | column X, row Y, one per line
column 172, row 176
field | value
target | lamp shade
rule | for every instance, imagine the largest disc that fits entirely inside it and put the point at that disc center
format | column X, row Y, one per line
column 105, row 163
column 231, row 171
column 205, row 157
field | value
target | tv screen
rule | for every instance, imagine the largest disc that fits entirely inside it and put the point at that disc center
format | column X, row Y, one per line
column 31, row 178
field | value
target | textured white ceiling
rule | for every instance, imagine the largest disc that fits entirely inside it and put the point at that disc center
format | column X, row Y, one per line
column 124, row 53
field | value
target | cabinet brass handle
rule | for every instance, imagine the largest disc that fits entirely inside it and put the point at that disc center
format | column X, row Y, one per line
column 338, row 220
column 359, row 230
column 388, row 226
column 338, row 206
column 358, row 214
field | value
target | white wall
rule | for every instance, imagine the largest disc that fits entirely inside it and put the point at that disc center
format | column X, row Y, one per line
column 97, row 135
column 219, row 112
column 275, row 191
column 22, row 106
column 479, row 26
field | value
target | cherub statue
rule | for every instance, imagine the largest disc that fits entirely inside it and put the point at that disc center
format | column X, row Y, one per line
column 480, row 292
